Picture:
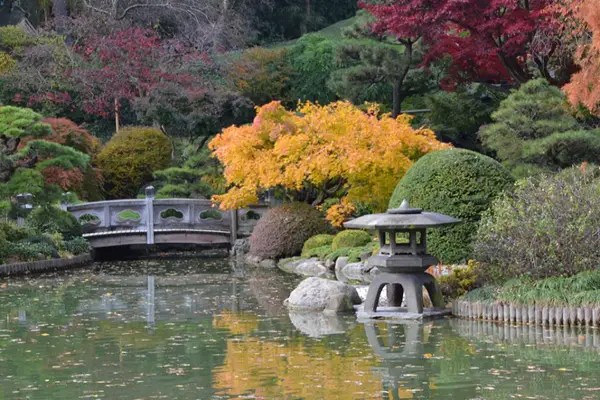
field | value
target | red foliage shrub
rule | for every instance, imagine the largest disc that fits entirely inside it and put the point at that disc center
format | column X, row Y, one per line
column 283, row 230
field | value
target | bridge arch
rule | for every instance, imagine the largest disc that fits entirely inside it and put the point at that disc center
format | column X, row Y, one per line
column 159, row 221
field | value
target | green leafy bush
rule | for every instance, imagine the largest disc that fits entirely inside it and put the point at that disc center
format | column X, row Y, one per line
column 580, row 290
column 129, row 159
column 460, row 281
column 50, row 219
column 319, row 252
column 456, row 182
column 15, row 233
column 27, row 251
column 317, row 241
column 351, row 238
column 282, row 231
column 78, row 245
column 549, row 226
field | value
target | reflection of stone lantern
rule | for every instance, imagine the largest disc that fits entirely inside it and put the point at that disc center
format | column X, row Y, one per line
column 402, row 265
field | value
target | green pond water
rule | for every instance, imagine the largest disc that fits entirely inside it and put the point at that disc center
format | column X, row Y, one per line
column 207, row 329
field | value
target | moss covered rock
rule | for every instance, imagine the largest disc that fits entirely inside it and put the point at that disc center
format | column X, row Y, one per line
column 456, row 182
column 351, row 238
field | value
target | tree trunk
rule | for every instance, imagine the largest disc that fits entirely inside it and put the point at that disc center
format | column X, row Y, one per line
column 514, row 69
column 398, row 82
column 397, row 98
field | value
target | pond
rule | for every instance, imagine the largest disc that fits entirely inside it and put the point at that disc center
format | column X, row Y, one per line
column 192, row 328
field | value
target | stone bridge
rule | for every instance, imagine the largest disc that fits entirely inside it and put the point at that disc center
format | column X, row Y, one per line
column 152, row 221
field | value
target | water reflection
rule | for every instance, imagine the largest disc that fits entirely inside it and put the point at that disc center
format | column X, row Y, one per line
column 190, row 329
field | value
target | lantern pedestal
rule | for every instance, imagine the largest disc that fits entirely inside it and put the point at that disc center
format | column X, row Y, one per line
column 408, row 284
column 402, row 261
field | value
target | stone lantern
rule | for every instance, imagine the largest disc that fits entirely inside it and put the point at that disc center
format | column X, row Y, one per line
column 402, row 263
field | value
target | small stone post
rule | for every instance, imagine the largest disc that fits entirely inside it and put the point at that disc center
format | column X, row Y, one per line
column 24, row 204
column 64, row 202
column 150, row 215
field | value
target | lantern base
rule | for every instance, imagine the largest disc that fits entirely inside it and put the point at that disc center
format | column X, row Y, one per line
column 403, row 285
column 400, row 314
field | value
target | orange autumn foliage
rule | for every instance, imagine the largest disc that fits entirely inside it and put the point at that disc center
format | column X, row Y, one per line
column 584, row 87
column 317, row 145
column 304, row 370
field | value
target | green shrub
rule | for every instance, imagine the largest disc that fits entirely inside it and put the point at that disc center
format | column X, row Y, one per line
column 547, row 227
column 351, row 238
column 459, row 183
column 353, row 253
column 282, row 231
column 460, row 281
column 27, row 251
column 580, row 290
column 15, row 233
column 317, row 241
column 319, row 252
column 78, row 245
column 129, row 159
column 50, row 219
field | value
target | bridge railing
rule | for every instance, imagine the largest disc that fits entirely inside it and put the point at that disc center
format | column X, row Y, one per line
column 152, row 216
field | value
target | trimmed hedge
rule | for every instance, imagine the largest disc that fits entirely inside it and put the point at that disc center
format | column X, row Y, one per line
column 460, row 183
column 129, row 159
column 317, row 241
column 282, row 231
column 351, row 238
column 319, row 252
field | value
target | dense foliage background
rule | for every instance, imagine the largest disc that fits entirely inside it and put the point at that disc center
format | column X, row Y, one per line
column 100, row 98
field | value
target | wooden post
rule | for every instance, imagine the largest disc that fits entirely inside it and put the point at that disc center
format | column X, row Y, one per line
column 233, row 214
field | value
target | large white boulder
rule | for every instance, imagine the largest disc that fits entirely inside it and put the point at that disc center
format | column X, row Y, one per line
column 318, row 294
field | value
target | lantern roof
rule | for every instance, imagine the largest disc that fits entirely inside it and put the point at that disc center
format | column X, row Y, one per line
column 404, row 217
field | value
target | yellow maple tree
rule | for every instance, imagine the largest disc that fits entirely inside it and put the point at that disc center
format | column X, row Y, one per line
column 323, row 150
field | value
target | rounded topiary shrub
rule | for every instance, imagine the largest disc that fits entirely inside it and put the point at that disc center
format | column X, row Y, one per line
column 129, row 159
column 317, row 241
column 350, row 238
column 282, row 231
column 549, row 226
column 456, row 182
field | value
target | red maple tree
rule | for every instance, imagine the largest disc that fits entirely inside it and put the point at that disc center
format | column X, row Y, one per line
column 488, row 40
column 127, row 65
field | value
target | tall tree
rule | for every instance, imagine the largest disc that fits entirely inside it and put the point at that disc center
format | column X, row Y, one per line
column 126, row 67
column 487, row 40
column 379, row 61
